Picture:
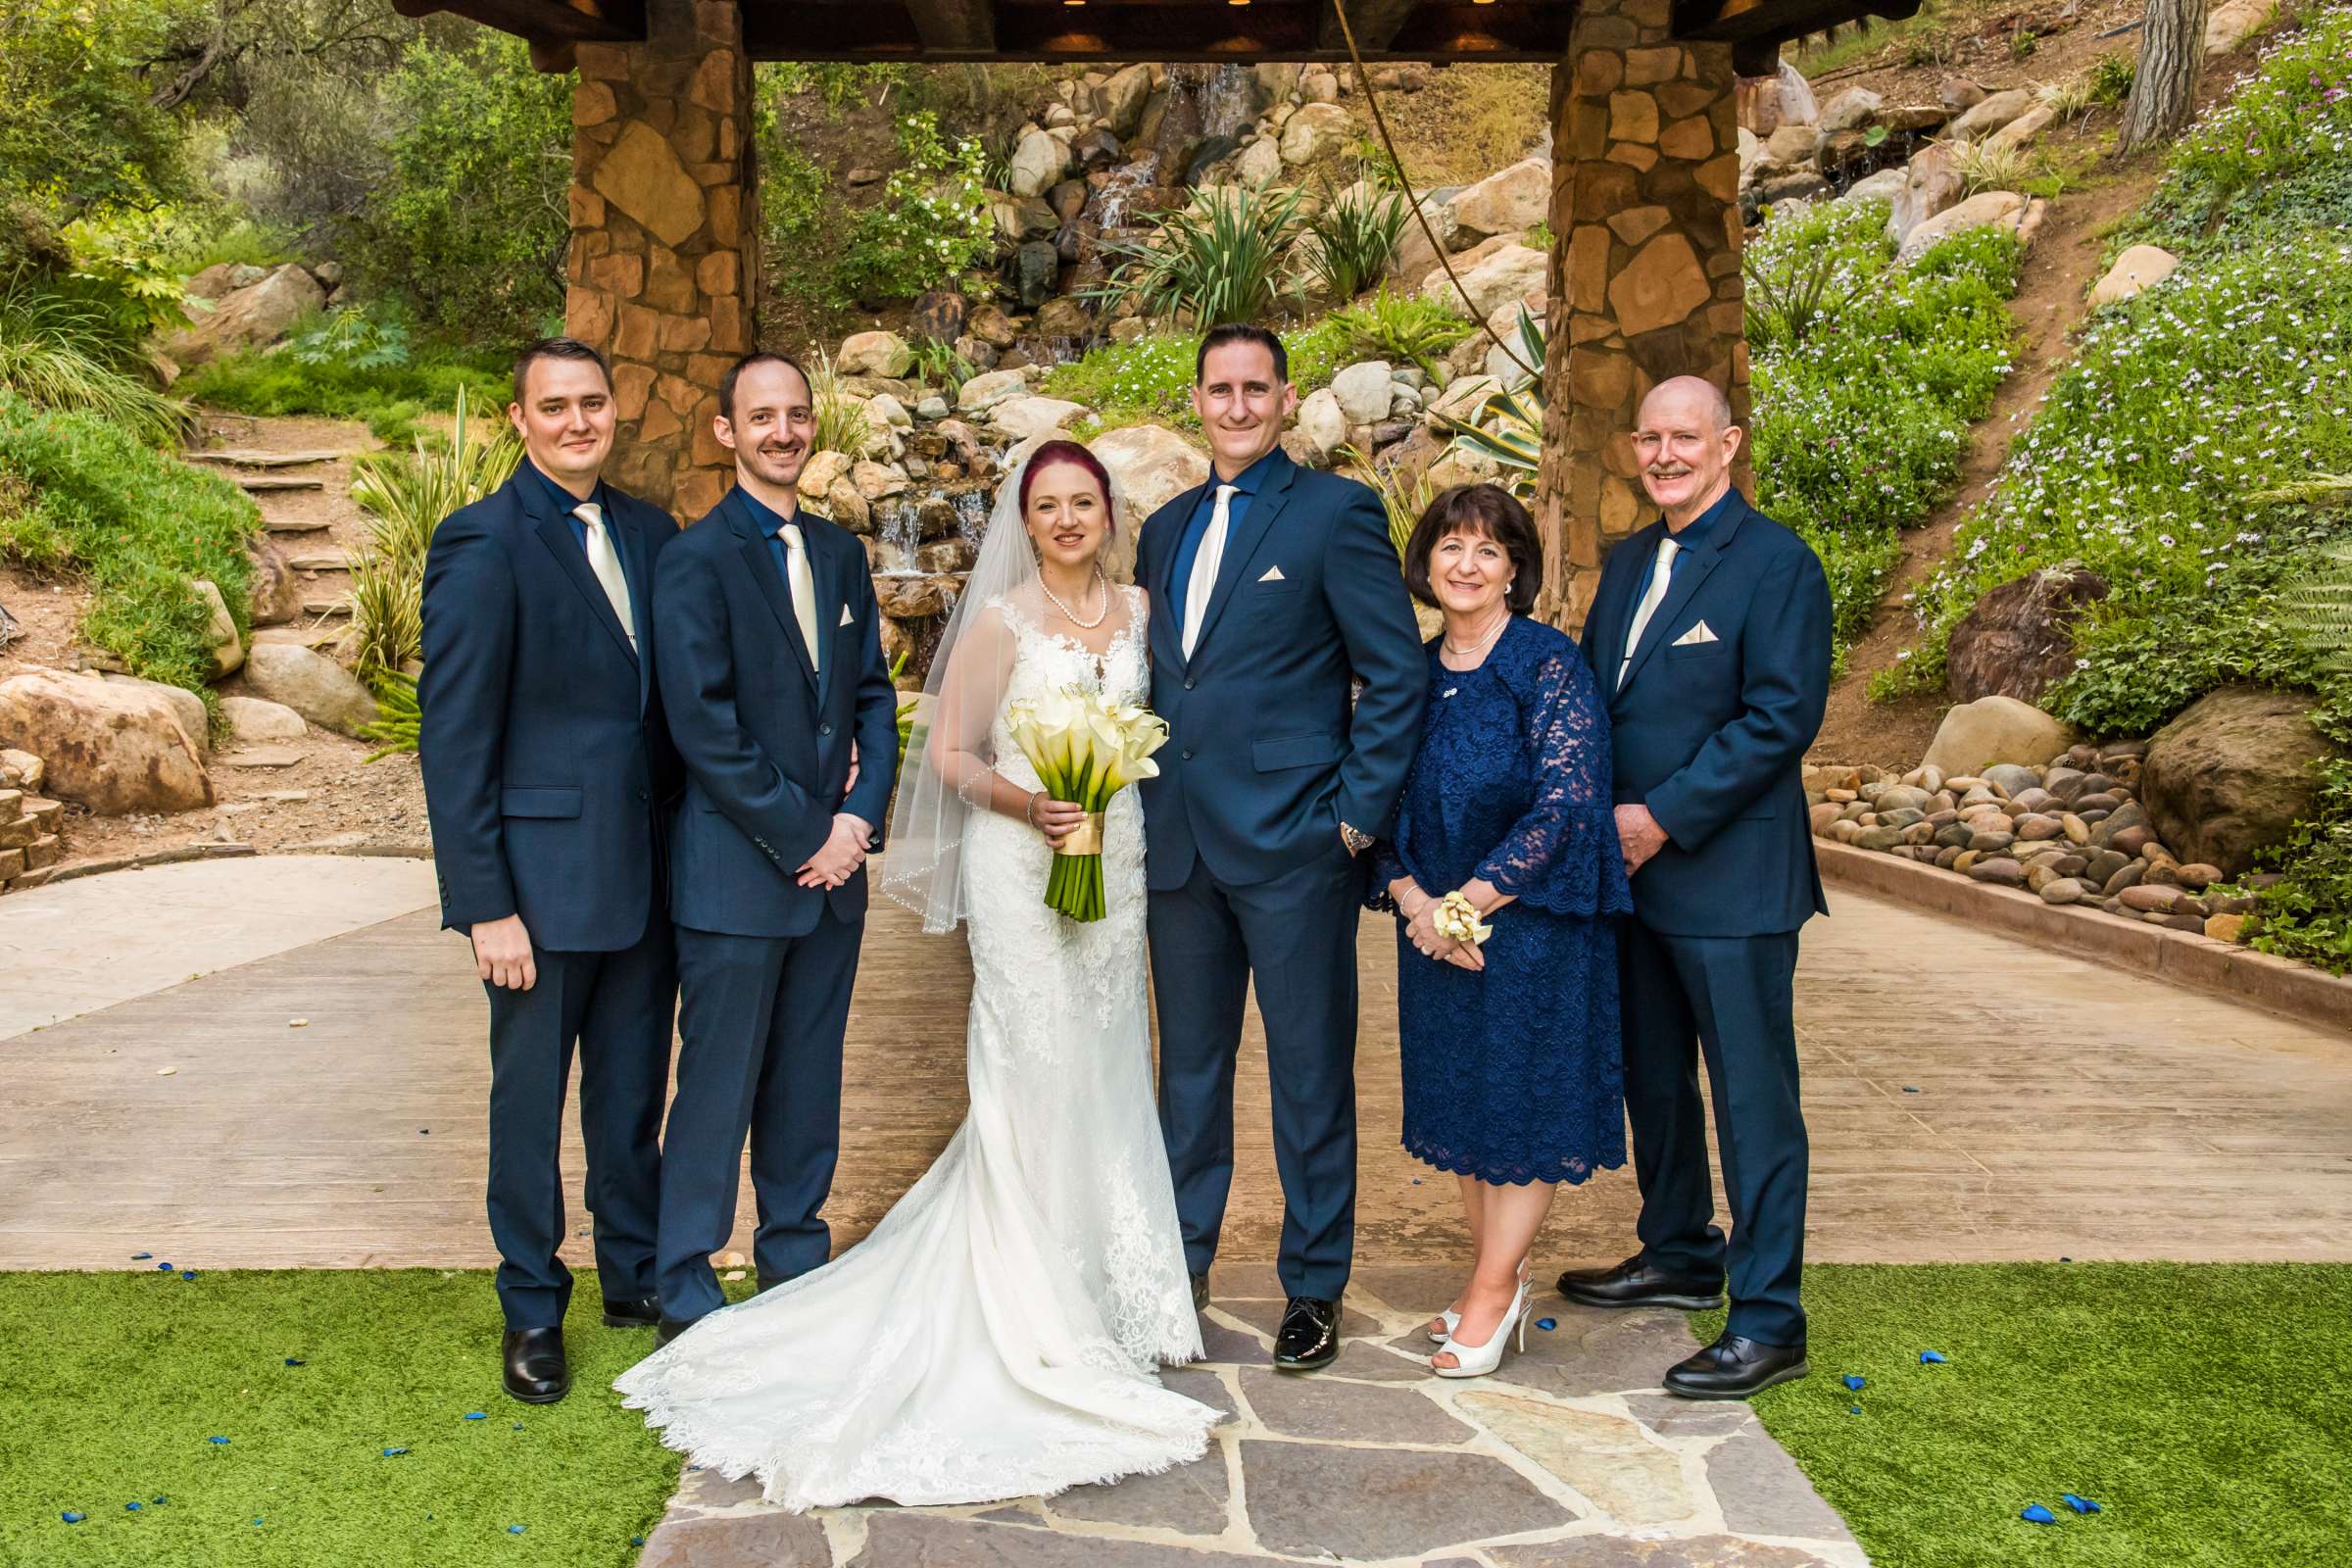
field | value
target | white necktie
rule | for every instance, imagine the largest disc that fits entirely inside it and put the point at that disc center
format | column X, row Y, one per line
column 1212, row 555
column 804, row 590
column 1661, row 576
column 607, row 566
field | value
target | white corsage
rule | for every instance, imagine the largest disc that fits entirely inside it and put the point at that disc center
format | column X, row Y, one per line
column 1457, row 918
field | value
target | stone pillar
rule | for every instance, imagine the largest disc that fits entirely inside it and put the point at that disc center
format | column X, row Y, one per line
column 1645, row 269
column 665, row 260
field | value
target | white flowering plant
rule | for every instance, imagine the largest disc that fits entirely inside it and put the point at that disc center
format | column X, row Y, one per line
column 933, row 223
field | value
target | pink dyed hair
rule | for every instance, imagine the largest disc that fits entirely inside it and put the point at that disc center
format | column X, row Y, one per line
column 1070, row 452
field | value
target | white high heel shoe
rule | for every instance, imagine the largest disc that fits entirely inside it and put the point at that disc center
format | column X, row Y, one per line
column 1477, row 1360
column 1453, row 1320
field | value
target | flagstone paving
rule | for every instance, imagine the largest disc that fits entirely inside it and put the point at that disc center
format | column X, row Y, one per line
column 1570, row 1457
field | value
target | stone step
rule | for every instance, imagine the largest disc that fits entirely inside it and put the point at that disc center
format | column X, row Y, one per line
column 263, row 756
column 267, row 459
column 273, row 483
column 295, row 524
column 334, row 563
column 325, row 607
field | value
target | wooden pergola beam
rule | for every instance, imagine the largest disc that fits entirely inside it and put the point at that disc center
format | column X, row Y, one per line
column 546, row 22
column 1375, row 22
column 955, row 27
column 1186, row 29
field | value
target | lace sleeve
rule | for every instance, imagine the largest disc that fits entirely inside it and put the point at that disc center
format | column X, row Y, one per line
column 1562, row 853
column 1387, row 864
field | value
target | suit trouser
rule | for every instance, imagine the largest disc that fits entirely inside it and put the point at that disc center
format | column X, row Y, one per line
column 1732, row 999
column 1296, row 936
column 760, row 1028
column 616, row 1007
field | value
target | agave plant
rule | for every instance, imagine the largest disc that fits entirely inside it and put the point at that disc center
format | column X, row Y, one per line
column 1220, row 258
column 405, row 496
column 1402, row 327
column 1507, row 430
column 1354, row 238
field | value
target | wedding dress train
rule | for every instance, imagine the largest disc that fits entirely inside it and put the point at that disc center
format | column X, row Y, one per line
column 996, row 1335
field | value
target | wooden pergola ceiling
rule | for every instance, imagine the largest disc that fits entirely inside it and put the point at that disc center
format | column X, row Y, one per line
column 1243, row 31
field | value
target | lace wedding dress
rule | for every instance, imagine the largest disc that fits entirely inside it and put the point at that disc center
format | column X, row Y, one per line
column 996, row 1335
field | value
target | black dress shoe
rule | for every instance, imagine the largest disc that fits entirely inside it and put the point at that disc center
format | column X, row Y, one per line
column 536, row 1371
column 1309, row 1337
column 1200, row 1292
column 768, row 1281
column 641, row 1313
column 1635, row 1283
column 670, row 1328
column 1735, row 1367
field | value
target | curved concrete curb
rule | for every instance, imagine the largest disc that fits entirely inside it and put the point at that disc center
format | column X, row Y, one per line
column 2277, row 985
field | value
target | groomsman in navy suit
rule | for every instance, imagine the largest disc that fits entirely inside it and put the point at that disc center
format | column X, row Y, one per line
column 782, row 707
column 1711, row 630
column 547, row 770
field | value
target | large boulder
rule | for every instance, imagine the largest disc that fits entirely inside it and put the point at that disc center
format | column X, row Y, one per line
column 989, row 388
column 272, row 593
column 1510, row 201
column 2233, row 22
column 2231, row 775
column 115, row 748
column 1260, row 163
column 883, row 354
column 1362, row 391
column 186, row 706
column 1991, row 115
column 1152, row 466
column 1415, row 254
column 1931, row 184
column 1122, row 98
column 1025, row 417
column 1038, row 161
column 2138, row 269
column 312, row 684
column 1322, row 425
column 1851, row 110
column 1974, row 736
column 2016, row 640
column 258, row 721
column 1501, row 277
column 1987, row 208
column 252, row 316
column 2021, row 132
column 1316, row 130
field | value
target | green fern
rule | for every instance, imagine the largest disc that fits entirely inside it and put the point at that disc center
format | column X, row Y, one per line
column 397, row 716
column 2316, row 607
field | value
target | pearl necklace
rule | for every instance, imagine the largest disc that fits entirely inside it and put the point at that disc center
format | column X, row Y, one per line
column 1482, row 644
column 1066, row 614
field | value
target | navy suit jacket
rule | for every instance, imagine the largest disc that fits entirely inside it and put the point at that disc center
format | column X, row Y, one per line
column 765, row 739
column 1265, row 755
column 1711, row 735
column 547, row 765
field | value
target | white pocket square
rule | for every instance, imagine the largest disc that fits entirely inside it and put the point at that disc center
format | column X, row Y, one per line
column 1701, row 633
column 848, row 619
column 1273, row 575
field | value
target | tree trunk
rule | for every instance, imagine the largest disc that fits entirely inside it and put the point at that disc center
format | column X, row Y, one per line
column 2163, row 89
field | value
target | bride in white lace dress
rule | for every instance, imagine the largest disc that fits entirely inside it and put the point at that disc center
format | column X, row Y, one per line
column 997, row 1334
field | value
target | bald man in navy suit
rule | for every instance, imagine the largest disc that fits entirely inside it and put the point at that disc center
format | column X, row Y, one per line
column 1711, row 633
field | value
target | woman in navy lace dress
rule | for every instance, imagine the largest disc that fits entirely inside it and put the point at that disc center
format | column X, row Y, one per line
column 1512, row 1076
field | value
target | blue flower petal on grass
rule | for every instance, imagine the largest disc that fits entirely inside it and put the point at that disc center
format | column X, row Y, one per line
column 163, row 1268
column 257, row 1519
column 296, row 1361
column 140, row 1257
column 636, row 1541
column 1931, row 1358
column 2080, row 1505
column 475, row 1415
column 188, row 1273
column 73, row 1518
column 132, row 1507
column 2036, row 1514
column 1547, row 1324
column 514, row 1530
column 158, row 1499
column 392, row 1454
column 1855, row 1381
column 217, row 1441
column 1853, row 1409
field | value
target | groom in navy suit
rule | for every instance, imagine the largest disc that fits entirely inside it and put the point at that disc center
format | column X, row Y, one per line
column 782, row 707
column 1274, row 592
column 1711, row 632
column 546, row 769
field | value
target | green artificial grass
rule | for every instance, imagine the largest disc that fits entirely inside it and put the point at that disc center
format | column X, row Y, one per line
column 2206, row 1408
column 116, row 1384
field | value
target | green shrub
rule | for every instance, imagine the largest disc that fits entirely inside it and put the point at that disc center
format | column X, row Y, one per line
column 932, row 223
column 82, row 131
column 1401, row 329
column 1219, row 260
column 469, row 228
column 1866, row 377
column 1124, row 383
column 2308, row 914
column 63, row 352
column 1350, row 241
column 137, row 523
column 803, row 218
column 389, row 396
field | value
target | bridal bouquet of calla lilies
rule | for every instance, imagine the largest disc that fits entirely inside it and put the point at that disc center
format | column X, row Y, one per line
column 1457, row 918
column 1085, row 749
